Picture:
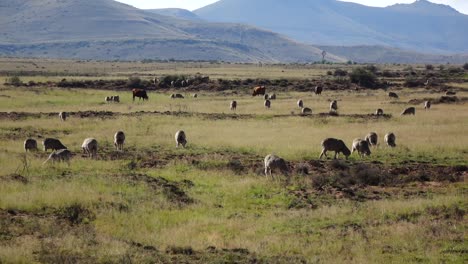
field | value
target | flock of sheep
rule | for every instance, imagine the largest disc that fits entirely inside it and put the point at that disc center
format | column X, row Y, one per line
column 272, row 162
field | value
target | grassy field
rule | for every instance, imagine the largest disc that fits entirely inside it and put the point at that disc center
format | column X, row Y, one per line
column 210, row 202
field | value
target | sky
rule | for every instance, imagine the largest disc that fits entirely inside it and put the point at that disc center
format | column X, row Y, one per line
column 460, row 5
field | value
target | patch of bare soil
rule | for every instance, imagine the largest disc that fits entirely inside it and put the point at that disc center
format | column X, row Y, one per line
column 441, row 100
column 173, row 191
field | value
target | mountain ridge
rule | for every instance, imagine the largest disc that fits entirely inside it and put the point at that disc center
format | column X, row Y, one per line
column 434, row 28
column 96, row 28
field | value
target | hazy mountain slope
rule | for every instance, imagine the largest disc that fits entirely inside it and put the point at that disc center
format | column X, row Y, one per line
column 49, row 20
column 381, row 54
column 175, row 12
column 107, row 29
column 421, row 26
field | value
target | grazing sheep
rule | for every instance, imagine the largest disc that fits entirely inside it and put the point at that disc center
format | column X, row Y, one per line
column 306, row 111
column 233, row 105
column 427, row 105
column 180, row 138
column 300, row 103
column 108, row 99
column 390, row 139
column 273, row 162
column 30, row 144
column 59, row 155
column 266, row 96
column 115, row 99
column 272, row 97
column 174, row 96
column 53, row 144
column 372, row 138
column 362, row 147
column 318, row 90
column 63, row 116
column 409, row 111
column 119, row 139
column 393, row 95
column 194, row 95
column 267, row 103
column 333, row 144
column 334, row 106
column 90, row 147
column 379, row 112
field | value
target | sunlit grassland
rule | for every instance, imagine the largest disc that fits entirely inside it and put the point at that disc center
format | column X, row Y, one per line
column 433, row 135
column 230, row 210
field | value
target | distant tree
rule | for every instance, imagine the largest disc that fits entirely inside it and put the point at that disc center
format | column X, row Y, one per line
column 324, row 53
column 134, row 82
column 363, row 77
column 465, row 66
column 14, row 80
column 340, row 72
column 429, row 67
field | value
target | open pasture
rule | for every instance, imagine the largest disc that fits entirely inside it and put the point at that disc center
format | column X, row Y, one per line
column 210, row 202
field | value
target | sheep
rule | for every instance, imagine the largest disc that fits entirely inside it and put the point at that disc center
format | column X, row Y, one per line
column 390, row 139
column 108, row 99
column 334, row 106
column 393, row 95
column 194, row 95
column 115, row 99
column 372, row 138
column 53, row 144
column 362, row 147
column 333, row 144
column 318, row 90
column 59, row 155
column 119, row 139
column 63, row 116
column 233, row 105
column 175, row 96
column 272, row 97
column 427, row 105
column 180, row 138
column 266, row 96
column 30, row 144
column 306, row 110
column 267, row 103
column 300, row 103
column 379, row 112
column 273, row 162
column 90, row 147
column 409, row 111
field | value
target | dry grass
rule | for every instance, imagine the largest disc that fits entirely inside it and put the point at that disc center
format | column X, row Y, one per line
column 124, row 215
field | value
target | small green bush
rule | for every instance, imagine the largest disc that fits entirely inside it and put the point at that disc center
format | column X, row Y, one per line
column 363, row 77
column 14, row 80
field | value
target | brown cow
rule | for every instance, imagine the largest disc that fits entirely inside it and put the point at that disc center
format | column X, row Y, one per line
column 140, row 93
column 259, row 90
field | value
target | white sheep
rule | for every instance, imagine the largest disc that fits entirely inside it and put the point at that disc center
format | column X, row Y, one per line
column 362, row 147
column 273, row 162
column 333, row 144
column 180, row 138
column 90, row 147
column 63, row 116
column 390, row 139
column 119, row 140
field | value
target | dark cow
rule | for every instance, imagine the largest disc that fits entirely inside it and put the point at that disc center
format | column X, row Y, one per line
column 140, row 93
column 318, row 90
column 259, row 90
